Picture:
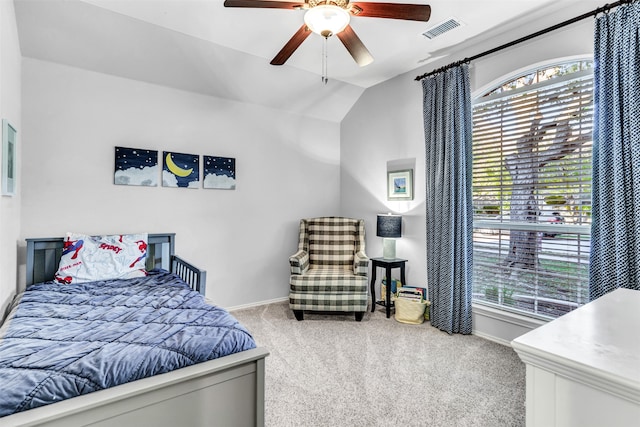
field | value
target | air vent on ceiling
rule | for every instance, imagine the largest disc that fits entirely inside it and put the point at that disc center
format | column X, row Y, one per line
column 441, row 28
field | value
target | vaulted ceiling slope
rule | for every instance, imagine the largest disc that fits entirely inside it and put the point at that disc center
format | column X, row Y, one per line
column 203, row 47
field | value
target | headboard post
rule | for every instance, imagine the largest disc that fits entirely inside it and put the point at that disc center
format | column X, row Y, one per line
column 43, row 258
column 29, row 267
column 160, row 249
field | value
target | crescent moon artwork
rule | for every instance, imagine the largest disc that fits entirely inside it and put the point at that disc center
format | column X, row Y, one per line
column 175, row 169
column 136, row 166
column 180, row 170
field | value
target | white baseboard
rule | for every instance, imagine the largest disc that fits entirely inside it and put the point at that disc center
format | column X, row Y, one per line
column 501, row 326
column 257, row 304
column 493, row 338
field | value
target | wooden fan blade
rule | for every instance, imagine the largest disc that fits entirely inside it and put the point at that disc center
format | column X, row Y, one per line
column 265, row 4
column 291, row 46
column 411, row 12
column 355, row 46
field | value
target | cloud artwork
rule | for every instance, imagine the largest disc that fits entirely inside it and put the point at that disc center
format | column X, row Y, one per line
column 219, row 172
column 134, row 166
column 180, row 170
column 169, row 179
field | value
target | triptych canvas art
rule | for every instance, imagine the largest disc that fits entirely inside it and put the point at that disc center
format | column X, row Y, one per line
column 134, row 166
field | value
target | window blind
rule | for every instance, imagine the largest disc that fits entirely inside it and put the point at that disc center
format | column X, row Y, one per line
column 532, row 152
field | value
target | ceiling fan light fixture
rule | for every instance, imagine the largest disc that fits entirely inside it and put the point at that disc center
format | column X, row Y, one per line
column 326, row 19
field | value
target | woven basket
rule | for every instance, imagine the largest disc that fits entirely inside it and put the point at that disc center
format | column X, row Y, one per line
column 410, row 311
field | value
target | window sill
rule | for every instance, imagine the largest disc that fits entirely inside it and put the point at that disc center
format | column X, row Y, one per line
column 507, row 316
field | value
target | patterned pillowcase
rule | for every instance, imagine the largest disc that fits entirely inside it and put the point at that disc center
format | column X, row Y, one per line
column 91, row 258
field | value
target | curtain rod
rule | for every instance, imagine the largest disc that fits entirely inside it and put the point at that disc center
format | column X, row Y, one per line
column 595, row 12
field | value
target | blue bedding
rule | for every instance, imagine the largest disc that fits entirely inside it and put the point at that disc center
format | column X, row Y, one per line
column 68, row 340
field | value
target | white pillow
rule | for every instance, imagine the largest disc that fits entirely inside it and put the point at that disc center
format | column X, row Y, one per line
column 90, row 258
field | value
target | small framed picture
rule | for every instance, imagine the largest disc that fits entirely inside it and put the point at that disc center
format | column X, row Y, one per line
column 400, row 185
column 9, row 149
column 219, row 172
column 136, row 166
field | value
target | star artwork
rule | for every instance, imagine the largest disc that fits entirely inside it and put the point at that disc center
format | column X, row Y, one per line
column 219, row 172
column 180, row 170
column 135, row 166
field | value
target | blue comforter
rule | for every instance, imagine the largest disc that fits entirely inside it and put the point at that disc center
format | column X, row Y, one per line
column 68, row 340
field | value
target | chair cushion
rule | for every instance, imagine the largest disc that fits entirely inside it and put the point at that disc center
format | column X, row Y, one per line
column 328, row 280
column 331, row 241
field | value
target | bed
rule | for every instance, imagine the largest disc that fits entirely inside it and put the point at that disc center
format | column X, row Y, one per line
column 228, row 390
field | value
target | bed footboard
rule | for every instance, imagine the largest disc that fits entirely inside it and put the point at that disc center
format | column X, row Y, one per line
column 227, row 392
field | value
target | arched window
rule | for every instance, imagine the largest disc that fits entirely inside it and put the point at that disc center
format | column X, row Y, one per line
column 532, row 190
column 541, row 75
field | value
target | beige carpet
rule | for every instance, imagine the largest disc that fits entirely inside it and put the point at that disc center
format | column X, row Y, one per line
column 329, row 370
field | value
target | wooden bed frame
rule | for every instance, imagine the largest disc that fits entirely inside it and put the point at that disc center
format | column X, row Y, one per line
column 228, row 391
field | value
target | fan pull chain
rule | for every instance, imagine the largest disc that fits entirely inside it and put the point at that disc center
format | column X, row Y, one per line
column 325, row 77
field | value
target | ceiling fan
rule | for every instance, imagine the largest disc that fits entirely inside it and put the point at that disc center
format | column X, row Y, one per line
column 329, row 17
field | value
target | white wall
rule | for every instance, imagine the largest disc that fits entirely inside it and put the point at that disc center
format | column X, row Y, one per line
column 384, row 132
column 387, row 124
column 287, row 168
column 10, row 109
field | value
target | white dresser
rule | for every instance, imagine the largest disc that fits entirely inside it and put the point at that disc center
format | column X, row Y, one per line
column 583, row 369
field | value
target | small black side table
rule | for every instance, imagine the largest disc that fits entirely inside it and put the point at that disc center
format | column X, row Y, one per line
column 387, row 264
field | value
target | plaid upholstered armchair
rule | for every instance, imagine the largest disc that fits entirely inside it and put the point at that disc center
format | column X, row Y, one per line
column 329, row 271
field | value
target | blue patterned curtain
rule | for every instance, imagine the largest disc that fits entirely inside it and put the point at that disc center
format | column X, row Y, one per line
column 448, row 131
column 615, row 229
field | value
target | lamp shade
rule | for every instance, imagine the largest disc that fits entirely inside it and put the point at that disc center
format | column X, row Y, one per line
column 389, row 225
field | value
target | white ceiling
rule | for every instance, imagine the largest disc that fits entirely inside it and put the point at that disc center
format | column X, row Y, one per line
column 201, row 46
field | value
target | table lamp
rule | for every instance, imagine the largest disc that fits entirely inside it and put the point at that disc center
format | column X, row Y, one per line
column 389, row 227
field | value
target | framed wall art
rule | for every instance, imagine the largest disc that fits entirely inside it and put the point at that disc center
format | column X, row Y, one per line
column 400, row 185
column 136, row 166
column 9, row 162
column 180, row 170
column 219, row 172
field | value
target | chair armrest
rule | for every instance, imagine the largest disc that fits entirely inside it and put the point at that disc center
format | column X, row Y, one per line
column 360, row 264
column 299, row 262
